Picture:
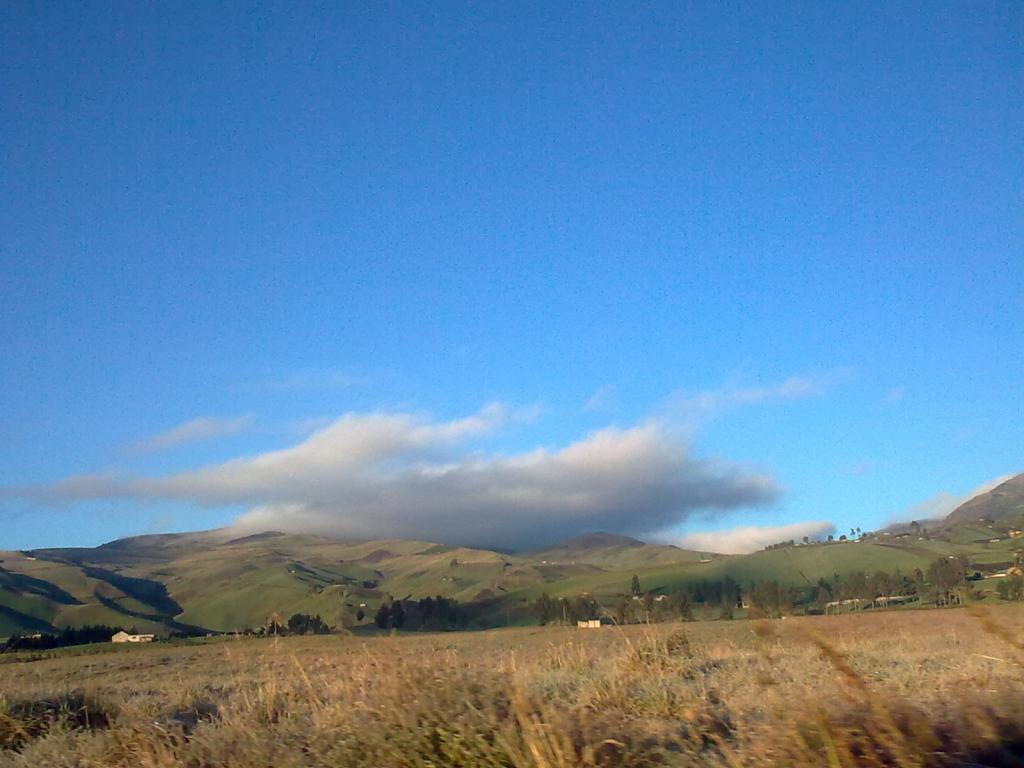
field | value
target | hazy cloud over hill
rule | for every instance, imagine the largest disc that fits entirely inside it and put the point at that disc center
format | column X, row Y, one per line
column 403, row 475
column 736, row 541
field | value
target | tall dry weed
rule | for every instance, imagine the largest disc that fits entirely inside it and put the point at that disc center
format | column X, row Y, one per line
column 833, row 692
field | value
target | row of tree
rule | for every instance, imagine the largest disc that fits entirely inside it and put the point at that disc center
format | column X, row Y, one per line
column 431, row 613
column 43, row 641
column 945, row 581
column 854, row 535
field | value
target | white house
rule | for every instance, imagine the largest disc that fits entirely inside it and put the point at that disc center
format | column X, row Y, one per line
column 124, row 637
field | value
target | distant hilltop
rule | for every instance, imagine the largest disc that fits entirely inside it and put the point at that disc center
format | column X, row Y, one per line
column 1004, row 501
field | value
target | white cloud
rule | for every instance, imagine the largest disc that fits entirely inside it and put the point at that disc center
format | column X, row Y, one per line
column 600, row 398
column 702, row 406
column 309, row 380
column 942, row 503
column 402, row 475
column 735, row 541
column 197, row 430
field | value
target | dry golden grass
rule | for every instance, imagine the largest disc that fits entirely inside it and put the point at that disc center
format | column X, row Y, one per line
column 902, row 688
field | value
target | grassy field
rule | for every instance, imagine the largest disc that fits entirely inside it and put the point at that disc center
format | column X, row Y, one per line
column 910, row 688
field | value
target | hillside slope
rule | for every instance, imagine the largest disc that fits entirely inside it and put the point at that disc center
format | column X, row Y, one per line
column 612, row 551
column 214, row 581
column 1004, row 503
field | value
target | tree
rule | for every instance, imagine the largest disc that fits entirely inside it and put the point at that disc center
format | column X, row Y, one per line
column 1011, row 588
column 946, row 575
column 855, row 586
column 883, row 584
column 768, row 597
column 822, row 597
column 648, row 603
column 584, row 608
column 623, row 612
column 544, row 609
column 304, row 624
column 730, row 591
column 383, row 617
column 446, row 611
column 684, row 605
column 636, row 585
column 824, row 594
column 427, row 609
column 397, row 614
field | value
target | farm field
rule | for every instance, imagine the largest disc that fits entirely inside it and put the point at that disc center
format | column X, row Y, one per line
column 913, row 688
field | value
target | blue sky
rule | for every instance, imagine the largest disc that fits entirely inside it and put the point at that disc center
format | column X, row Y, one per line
column 790, row 238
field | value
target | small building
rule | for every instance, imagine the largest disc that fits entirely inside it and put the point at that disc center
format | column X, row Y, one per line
column 124, row 637
column 589, row 623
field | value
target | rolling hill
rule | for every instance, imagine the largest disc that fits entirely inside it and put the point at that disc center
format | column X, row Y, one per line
column 218, row 581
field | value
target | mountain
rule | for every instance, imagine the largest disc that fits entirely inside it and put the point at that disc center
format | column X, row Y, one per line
column 220, row 581
column 214, row 580
column 1003, row 503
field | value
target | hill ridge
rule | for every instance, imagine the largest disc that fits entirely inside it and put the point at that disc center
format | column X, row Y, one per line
column 1004, row 501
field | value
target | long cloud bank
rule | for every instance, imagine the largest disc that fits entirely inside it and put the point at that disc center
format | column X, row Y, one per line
column 742, row 540
column 401, row 475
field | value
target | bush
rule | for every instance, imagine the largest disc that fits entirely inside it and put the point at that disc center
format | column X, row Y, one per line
column 304, row 624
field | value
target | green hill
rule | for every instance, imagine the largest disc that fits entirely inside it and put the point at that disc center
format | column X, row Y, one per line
column 216, row 581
